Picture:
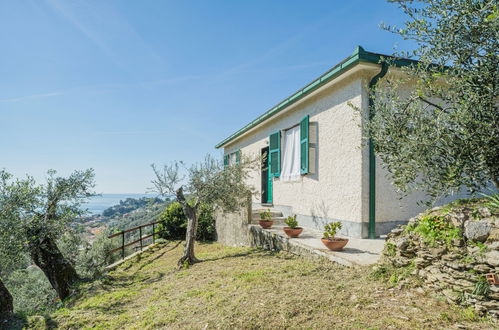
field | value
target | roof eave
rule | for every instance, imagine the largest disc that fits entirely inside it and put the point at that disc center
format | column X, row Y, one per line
column 358, row 56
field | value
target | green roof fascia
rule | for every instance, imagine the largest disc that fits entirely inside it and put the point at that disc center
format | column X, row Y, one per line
column 359, row 55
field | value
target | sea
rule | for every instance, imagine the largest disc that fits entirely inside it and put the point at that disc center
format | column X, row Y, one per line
column 97, row 204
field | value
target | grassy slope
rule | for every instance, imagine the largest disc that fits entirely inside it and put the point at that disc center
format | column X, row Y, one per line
column 247, row 288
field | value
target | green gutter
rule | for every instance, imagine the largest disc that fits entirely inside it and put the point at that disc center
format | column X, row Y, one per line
column 372, row 156
column 358, row 56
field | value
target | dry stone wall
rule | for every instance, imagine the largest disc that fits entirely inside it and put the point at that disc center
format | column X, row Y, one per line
column 452, row 251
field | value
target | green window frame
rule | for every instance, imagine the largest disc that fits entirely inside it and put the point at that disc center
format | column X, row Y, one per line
column 275, row 154
column 304, row 145
column 235, row 156
column 238, row 156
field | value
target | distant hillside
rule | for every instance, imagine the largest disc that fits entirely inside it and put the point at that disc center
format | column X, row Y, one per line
column 129, row 205
column 142, row 215
column 131, row 212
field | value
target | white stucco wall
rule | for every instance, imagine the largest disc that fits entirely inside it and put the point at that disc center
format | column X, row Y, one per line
column 391, row 205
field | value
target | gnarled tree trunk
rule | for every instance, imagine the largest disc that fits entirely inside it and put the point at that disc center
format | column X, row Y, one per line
column 6, row 306
column 59, row 271
column 192, row 223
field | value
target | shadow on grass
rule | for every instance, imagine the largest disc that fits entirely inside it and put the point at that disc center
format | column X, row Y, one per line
column 255, row 252
column 14, row 322
column 144, row 262
column 148, row 261
column 18, row 322
column 121, row 280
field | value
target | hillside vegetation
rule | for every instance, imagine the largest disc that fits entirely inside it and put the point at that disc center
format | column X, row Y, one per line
column 249, row 288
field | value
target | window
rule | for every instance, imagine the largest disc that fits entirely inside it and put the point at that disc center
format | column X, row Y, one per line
column 291, row 154
column 304, row 145
column 295, row 151
column 275, row 154
column 232, row 158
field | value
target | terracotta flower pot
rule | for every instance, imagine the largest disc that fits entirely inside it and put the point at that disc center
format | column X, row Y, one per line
column 336, row 244
column 293, row 232
column 266, row 224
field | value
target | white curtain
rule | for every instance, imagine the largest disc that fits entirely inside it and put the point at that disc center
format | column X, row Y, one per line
column 290, row 170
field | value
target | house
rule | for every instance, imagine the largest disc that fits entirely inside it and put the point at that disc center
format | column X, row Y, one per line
column 314, row 162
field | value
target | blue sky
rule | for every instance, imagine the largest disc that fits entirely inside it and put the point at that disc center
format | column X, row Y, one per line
column 118, row 85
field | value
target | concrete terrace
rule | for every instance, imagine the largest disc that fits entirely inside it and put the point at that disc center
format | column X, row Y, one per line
column 357, row 252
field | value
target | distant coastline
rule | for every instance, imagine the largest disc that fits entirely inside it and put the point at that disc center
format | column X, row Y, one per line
column 97, row 204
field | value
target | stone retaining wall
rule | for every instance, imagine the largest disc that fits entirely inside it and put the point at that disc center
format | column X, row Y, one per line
column 269, row 240
column 456, row 268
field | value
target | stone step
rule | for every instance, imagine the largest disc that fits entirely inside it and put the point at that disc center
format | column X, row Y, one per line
column 274, row 214
column 277, row 220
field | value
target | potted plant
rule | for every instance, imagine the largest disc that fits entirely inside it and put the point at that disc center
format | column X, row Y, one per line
column 266, row 219
column 292, row 230
column 329, row 240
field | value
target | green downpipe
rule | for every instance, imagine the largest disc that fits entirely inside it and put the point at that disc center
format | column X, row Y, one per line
column 372, row 157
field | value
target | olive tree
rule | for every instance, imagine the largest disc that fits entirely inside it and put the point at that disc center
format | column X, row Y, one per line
column 33, row 216
column 206, row 182
column 444, row 134
column 11, row 243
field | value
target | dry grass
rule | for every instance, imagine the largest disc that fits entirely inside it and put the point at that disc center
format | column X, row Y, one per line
column 248, row 288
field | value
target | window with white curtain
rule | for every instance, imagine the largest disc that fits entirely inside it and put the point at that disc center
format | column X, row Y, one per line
column 232, row 158
column 290, row 170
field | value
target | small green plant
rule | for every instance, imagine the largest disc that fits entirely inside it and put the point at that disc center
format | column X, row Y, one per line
column 393, row 275
column 390, row 249
column 480, row 245
column 492, row 202
column 468, row 259
column 331, row 229
column 291, row 222
column 435, row 228
column 380, row 272
column 461, row 297
column 482, row 287
column 266, row 215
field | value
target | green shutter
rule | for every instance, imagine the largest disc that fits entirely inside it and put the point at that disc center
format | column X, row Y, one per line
column 226, row 160
column 275, row 154
column 304, row 132
column 238, row 156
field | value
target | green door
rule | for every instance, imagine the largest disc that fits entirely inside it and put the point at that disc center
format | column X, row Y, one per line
column 269, row 185
column 266, row 177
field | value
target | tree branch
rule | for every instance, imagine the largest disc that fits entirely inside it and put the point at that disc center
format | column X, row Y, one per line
column 432, row 104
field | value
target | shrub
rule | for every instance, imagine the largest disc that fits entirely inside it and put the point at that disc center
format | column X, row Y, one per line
column 173, row 223
column 89, row 258
column 206, row 225
column 93, row 259
column 31, row 291
column 435, row 228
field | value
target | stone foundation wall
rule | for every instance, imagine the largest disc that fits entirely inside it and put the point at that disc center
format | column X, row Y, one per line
column 455, row 268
